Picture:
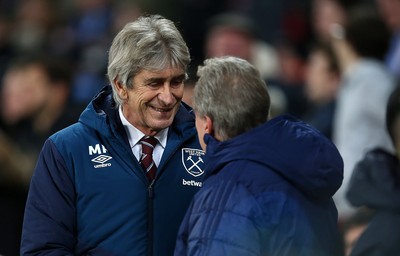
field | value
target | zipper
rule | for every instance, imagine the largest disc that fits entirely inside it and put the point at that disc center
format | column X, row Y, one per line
column 150, row 197
column 150, row 223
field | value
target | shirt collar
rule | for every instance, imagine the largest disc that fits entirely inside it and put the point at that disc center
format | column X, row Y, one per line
column 134, row 134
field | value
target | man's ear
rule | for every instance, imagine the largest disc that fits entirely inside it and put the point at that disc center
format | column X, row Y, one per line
column 121, row 90
column 209, row 128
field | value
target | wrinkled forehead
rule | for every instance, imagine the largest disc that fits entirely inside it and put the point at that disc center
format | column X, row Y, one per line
column 159, row 62
column 169, row 73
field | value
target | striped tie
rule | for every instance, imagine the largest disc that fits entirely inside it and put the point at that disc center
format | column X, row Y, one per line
column 148, row 144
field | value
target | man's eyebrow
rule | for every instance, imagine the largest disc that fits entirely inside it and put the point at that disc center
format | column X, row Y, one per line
column 181, row 76
column 154, row 79
column 161, row 79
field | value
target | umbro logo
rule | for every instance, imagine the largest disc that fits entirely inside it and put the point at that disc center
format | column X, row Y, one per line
column 101, row 159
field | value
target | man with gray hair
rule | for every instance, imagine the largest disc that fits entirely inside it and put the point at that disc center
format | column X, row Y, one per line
column 269, row 183
column 119, row 181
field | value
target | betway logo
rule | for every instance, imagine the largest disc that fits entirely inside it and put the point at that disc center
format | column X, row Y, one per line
column 192, row 183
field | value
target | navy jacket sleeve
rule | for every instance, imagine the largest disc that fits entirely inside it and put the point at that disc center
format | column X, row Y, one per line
column 50, row 216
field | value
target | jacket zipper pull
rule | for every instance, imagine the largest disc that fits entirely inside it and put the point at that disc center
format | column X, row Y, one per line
column 150, row 189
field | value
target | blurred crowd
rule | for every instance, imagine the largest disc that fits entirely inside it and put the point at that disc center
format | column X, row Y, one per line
column 332, row 63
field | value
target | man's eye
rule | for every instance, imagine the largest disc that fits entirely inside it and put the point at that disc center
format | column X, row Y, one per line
column 154, row 84
column 177, row 82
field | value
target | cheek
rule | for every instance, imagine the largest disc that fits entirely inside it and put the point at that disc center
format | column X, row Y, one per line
column 137, row 98
column 198, row 125
column 201, row 130
column 178, row 92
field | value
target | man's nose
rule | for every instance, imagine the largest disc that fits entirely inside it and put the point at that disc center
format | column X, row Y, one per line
column 166, row 95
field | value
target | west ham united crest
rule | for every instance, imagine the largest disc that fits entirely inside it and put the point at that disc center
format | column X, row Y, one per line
column 192, row 160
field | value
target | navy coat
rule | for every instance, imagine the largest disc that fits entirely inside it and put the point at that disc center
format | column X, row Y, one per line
column 267, row 192
column 375, row 184
column 90, row 196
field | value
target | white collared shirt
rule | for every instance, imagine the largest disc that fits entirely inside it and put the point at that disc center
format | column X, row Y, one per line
column 134, row 136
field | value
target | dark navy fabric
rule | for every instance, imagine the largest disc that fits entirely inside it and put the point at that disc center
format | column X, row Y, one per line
column 375, row 184
column 267, row 192
column 90, row 196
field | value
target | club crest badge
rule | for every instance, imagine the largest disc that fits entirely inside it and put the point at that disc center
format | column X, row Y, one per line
column 192, row 160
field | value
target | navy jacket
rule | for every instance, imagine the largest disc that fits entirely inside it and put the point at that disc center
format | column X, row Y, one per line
column 267, row 192
column 375, row 183
column 89, row 194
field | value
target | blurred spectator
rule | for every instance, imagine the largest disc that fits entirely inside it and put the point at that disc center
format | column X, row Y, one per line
column 236, row 35
column 390, row 13
column 322, row 84
column 354, row 227
column 291, row 77
column 359, row 122
column 34, row 23
column 376, row 184
column 90, row 26
column 92, row 21
column 34, row 104
column 292, row 48
column 295, row 23
column 324, row 14
column 124, row 12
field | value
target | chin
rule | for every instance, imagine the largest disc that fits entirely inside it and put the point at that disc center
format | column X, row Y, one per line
column 162, row 124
